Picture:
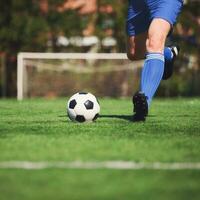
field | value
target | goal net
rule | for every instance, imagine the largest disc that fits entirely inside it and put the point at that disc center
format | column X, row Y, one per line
column 62, row 74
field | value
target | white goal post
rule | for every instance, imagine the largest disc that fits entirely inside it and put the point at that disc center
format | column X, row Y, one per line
column 22, row 56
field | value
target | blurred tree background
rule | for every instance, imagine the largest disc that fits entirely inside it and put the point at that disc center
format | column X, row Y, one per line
column 46, row 26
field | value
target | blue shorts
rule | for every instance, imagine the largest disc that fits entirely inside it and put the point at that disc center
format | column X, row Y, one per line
column 142, row 12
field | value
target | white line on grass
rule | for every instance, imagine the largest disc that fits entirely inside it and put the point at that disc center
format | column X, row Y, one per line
column 118, row 165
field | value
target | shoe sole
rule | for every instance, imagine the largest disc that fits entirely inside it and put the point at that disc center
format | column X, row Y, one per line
column 169, row 66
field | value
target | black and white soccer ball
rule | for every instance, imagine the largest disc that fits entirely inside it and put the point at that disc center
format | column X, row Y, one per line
column 83, row 107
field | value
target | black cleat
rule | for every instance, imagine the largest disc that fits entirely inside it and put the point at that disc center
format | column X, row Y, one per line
column 169, row 65
column 140, row 107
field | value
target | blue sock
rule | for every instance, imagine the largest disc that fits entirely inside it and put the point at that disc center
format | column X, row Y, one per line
column 168, row 54
column 152, row 74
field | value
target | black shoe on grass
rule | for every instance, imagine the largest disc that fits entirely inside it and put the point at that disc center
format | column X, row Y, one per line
column 169, row 65
column 140, row 107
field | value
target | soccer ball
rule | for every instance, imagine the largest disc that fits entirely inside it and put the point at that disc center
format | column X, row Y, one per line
column 83, row 107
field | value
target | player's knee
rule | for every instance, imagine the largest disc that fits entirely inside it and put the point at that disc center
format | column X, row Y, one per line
column 131, row 54
column 155, row 44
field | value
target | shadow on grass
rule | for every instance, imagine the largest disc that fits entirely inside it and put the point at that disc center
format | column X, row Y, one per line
column 61, row 116
column 129, row 118
column 124, row 117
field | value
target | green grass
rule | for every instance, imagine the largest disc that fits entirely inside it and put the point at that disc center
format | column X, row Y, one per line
column 99, row 184
column 38, row 130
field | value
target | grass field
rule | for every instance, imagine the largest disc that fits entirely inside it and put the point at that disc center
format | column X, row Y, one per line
column 38, row 130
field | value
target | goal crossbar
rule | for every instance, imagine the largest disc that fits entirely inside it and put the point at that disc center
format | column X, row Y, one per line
column 85, row 56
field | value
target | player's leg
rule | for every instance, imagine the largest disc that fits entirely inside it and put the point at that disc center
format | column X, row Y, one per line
column 136, row 46
column 137, row 24
column 164, row 14
column 169, row 11
column 153, row 66
column 157, row 34
column 170, row 54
